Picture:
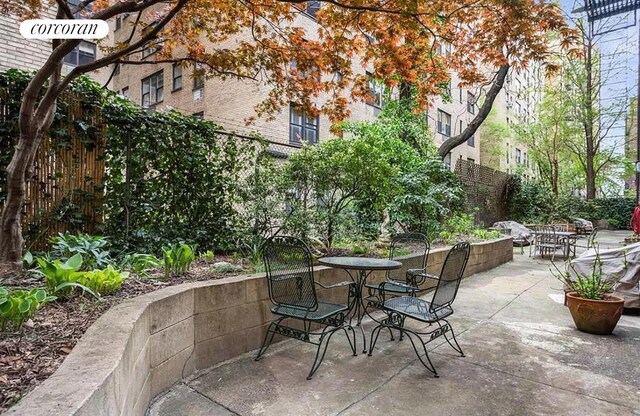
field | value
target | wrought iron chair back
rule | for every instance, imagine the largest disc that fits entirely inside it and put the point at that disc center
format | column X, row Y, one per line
column 289, row 273
column 450, row 276
column 416, row 243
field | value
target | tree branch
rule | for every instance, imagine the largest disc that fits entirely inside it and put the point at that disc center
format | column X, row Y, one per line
column 483, row 113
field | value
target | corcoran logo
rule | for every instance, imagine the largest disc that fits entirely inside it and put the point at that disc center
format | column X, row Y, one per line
column 64, row 29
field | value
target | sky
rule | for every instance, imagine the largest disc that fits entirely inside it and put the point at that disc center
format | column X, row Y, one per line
column 619, row 48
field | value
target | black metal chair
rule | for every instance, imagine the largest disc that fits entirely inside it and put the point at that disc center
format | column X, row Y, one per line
column 416, row 275
column 398, row 309
column 292, row 292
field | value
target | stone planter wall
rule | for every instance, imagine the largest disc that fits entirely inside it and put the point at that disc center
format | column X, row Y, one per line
column 144, row 345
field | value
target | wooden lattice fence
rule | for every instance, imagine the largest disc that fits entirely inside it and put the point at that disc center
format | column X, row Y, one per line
column 64, row 191
column 485, row 191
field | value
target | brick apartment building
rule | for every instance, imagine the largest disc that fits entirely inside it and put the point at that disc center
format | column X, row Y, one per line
column 230, row 102
column 166, row 86
column 30, row 54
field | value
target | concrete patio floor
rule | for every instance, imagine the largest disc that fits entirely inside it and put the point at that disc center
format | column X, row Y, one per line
column 523, row 357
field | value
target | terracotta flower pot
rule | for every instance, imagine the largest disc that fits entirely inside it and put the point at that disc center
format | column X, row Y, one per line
column 595, row 316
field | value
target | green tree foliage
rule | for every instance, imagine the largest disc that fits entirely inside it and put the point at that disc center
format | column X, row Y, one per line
column 329, row 177
column 548, row 137
column 427, row 195
column 494, row 133
column 529, row 201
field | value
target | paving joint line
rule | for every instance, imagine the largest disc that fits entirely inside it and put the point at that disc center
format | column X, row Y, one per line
column 538, row 382
column 211, row 400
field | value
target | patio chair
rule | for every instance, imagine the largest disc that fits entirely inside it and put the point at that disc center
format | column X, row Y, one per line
column 416, row 274
column 289, row 274
column 548, row 242
column 590, row 240
column 432, row 312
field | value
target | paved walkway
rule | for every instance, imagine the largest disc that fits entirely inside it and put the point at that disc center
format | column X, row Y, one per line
column 524, row 357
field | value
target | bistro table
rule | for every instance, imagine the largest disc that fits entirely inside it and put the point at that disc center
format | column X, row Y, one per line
column 568, row 239
column 362, row 267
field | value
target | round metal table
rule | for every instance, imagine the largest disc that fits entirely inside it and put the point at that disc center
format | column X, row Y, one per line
column 363, row 266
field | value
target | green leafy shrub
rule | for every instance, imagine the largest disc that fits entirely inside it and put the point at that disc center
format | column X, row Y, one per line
column 529, row 201
column 140, row 262
column 483, row 234
column 177, row 259
column 592, row 285
column 428, row 194
column 103, row 282
column 29, row 261
column 92, row 249
column 16, row 306
column 207, row 255
column 61, row 278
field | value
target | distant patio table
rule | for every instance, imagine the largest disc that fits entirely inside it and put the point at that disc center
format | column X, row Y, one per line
column 362, row 268
column 568, row 238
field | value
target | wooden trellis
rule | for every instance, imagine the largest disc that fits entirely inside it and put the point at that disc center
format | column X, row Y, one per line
column 485, row 190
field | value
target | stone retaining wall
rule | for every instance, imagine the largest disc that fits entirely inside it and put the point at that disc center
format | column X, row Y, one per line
column 142, row 346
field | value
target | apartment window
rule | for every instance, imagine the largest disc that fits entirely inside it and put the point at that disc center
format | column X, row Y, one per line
column 125, row 92
column 301, row 126
column 444, row 123
column 199, row 114
column 471, row 160
column 460, row 127
column 471, row 141
column 444, row 48
column 310, row 8
column 198, row 77
column 177, row 77
column 118, row 22
column 471, row 103
column 376, row 92
column 152, row 89
column 447, row 161
column 150, row 48
column 518, row 156
column 84, row 53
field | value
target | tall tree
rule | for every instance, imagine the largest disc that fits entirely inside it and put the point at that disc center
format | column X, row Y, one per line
column 549, row 136
column 584, row 80
column 398, row 40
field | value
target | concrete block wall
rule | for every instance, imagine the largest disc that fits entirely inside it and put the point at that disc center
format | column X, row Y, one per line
column 144, row 345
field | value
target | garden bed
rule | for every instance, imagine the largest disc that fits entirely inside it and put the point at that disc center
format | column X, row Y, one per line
column 30, row 357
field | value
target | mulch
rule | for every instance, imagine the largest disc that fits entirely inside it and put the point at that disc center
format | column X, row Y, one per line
column 31, row 356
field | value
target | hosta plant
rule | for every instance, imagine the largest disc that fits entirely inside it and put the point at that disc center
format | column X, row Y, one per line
column 92, row 248
column 62, row 277
column 16, row 306
column 103, row 282
column 177, row 259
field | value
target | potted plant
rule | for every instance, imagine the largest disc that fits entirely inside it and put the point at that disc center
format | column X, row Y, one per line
column 593, row 308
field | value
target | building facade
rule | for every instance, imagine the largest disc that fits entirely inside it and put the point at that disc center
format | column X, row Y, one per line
column 517, row 103
column 231, row 102
column 30, row 54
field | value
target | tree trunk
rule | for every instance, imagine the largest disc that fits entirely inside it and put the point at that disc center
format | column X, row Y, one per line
column 455, row 141
column 11, row 241
column 554, row 176
column 589, row 124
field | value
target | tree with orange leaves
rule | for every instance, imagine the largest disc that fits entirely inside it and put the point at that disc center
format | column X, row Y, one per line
column 397, row 39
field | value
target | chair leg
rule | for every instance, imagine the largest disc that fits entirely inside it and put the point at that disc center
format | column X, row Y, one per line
column 427, row 364
column 268, row 338
column 455, row 341
column 374, row 337
column 352, row 344
column 322, row 350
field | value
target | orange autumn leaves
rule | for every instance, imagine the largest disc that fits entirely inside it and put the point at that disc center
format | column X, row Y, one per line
column 320, row 65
